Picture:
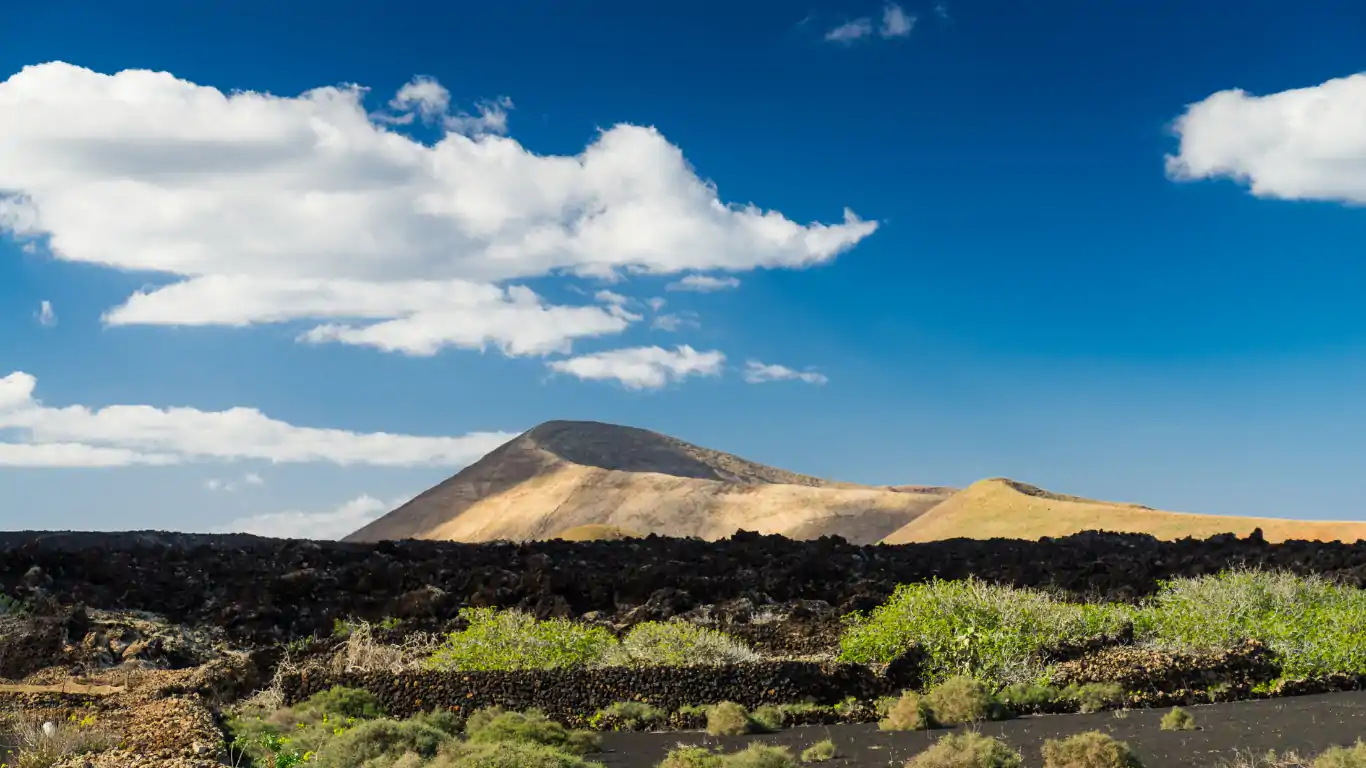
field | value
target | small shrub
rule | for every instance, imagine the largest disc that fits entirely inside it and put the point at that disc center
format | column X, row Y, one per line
column 1343, row 757
column 907, row 713
column 677, row 643
column 692, row 757
column 338, row 700
column 960, row 700
column 729, row 719
column 1094, row 697
column 10, row 606
column 382, row 739
column 77, row 736
column 1178, row 719
column 1092, row 749
column 505, row 754
column 531, row 727
column 819, row 752
column 631, row 715
column 1022, row 698
column 512, row 640
column 770, row 717
column 967, row 750
column 761, row 756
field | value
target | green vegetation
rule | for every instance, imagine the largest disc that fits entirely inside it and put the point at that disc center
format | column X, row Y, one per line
column 907, row 713
column 628, row 715
column 1178, row 719
column 532, row 727
column 677, row 644
column 1094, row 697
column 77, row 735
column 1092, row 749
column 998, row 634
column 961, row 699
column 1343, row 757
column 753, row 756
column 819, row 752
column 967, row 749
column 10, row 606
column 731, row 719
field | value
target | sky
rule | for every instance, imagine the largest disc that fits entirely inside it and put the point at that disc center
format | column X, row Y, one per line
column 277, row 267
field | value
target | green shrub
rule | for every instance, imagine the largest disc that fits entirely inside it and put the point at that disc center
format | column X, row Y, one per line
column 961, row 700
column 729, row 719
column 819, row 752
column 761, row 756
column 974, row 628
column 1314, row 625
column 382, row 739
column 770, row 717
column 692, row 757
column 967, row 750
column 1178, row 719
column 907, row 713
column 1094, row 697
column 271, row 736
column 1343, row 757
column 531, row 727
column 1092, row 749
column 632, row 715
column 506, row 754
column 677, row 643
column 512, row 640
column 10, row 606
column 1021, row 698
column 339, row 700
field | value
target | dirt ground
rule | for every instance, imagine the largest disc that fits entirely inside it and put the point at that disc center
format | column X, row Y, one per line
column 1304, row 724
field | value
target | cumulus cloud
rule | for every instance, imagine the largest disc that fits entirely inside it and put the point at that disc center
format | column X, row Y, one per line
column 895, row 22
column 45, row 315
column 251, row 478
column 257, row 208
column 320, row 526
column 642, row 367
column 121, row 435
column 1300, row 144
column 760, row 373
column 850, row 31
column 703, row 284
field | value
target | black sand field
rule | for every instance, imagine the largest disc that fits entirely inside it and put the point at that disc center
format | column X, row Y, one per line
column 1303, row 724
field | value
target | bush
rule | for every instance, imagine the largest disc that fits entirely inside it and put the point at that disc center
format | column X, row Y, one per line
column 341, row 701
column 531, row 727
column 1343, row 757
column 677, row 643
column 729, row 719
column 382, row 739
column 819, row 752
column 512, row 640
column 1023, row 698
column 770, row 717
column 1094, row 697
column 1178, row 719
column 761, row 756
column 1092, row 749
column 506, row 754
column 692, row 757
column 36, row 749
column 967, row 750
column 632, row 715
column 907, row 713
column 961, row 700
column 974, row 628
column 1314, row 625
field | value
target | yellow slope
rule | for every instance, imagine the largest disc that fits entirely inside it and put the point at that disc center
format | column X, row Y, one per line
column 1000, row 508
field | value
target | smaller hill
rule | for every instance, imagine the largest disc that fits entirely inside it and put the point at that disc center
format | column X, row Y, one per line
column 1004, row 508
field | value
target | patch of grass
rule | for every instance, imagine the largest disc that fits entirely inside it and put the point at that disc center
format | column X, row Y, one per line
column 770, row 717
column 692, row 757
column 974, row 628
column 272, row 736
column 677, row 643
column 1178, row 719
column 761, row 756
column 819, row 752
column 533, row 727
column 1092, row 749
column 1094, row 697
column 511, row 640
column 909, row 712
column 1343, row 757
column 1272, row 759
column 1021, row 698
column 503, row 754
column 631, row 715
column 36, row 747
column 730, row 719
column 961, row 700
column 967, row 750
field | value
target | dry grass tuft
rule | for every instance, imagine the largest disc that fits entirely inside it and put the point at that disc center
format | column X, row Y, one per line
column 1092, row 749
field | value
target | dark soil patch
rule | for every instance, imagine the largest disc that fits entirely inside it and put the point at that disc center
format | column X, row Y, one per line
column 1303, row 724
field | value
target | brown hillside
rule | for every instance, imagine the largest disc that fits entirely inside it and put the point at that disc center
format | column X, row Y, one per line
column 564, row 476
column 1008, row 509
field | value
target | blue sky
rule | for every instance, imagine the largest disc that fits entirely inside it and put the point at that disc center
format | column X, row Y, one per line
column 1076, row 255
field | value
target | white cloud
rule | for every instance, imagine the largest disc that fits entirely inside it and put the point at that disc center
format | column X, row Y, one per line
column 656, row 303
column 895, row 22
column 214, row 484
column 45, row 315
column 760, row 373
column 850, row 31
column 77, row 436
column 258, row 208
column 642, row 367
column 703, row 284
column 321, row 526
column 1300, row 144
column 608, row 297
column 217, row 484
column 251, row 478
